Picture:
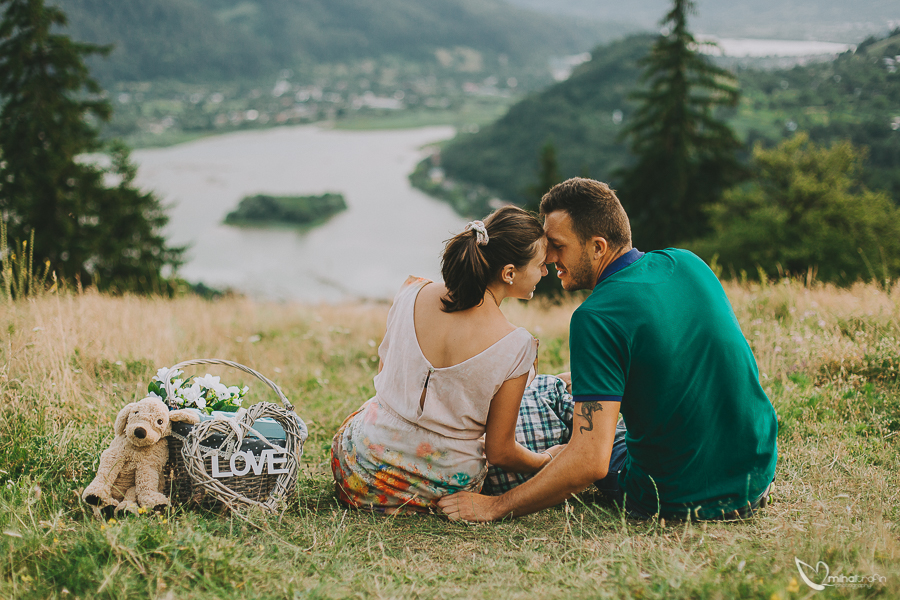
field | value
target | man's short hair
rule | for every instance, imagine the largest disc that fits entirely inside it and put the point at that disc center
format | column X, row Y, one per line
column 594, row 209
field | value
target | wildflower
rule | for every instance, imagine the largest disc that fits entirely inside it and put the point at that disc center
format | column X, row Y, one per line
column 793, row 587
column 112, row 521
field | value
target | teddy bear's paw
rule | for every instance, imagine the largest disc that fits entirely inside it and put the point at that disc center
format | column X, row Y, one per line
column 154, row 501
column 95, row 495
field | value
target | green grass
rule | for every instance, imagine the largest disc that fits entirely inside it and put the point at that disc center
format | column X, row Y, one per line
column 827, row 360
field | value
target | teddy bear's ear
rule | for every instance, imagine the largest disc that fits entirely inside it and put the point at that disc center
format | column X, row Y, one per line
column 185, row 416
column 122, row 419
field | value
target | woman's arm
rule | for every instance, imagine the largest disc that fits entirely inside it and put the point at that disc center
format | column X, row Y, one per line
column 500, row 443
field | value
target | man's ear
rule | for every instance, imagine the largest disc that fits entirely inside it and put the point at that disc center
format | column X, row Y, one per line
column 122, row 419
column 600, row 246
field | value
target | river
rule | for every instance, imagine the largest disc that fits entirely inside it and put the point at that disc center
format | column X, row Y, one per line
column 390, row 230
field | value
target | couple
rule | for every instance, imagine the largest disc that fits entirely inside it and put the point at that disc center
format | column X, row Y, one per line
column 459, row 410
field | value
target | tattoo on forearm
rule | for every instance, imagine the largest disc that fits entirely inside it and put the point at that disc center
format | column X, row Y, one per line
column 587, row 411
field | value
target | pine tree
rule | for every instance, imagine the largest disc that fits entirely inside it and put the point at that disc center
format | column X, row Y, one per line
column 685, row 156
column 548, row 176
column 51, row 107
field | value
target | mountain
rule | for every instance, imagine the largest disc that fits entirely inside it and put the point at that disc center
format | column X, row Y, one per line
column 196, row 39
column 854, row 97
column 581, row 117
column 824, row 20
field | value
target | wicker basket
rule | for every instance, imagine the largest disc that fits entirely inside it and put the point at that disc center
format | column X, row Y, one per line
column 270, row 465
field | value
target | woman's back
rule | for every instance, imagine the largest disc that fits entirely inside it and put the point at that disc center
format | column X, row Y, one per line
column 447, row 339
column 452, row 395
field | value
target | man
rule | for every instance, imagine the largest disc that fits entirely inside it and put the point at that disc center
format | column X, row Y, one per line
column 658, row 342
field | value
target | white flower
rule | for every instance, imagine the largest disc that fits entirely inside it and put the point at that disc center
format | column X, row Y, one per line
column 245, row 390
column 220, row 390
column 236, row 400
column 193, row 395
column 161, row 374
column 201, row 403
column 154, row 395
column 208, row 381
column 234, row 391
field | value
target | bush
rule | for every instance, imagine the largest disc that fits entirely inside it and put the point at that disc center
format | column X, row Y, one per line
column 805, row 209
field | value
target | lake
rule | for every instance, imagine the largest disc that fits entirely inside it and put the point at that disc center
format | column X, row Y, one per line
column 757, row 48
column 390, row 230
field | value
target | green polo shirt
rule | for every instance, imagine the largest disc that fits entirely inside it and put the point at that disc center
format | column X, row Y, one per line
column 661, row 335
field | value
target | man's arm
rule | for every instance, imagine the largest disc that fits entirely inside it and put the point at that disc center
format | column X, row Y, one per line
column 583, row 461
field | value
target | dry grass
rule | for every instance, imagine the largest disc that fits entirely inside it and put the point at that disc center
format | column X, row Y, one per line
column 828, row 360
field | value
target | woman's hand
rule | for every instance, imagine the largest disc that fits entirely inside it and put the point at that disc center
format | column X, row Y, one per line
column 555, row 450
column 567, row 378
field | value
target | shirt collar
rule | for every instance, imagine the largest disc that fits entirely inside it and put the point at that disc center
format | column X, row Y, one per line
column 619, row 264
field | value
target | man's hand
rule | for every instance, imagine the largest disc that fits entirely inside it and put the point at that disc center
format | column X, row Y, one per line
column 466, row 506
column 575, row 466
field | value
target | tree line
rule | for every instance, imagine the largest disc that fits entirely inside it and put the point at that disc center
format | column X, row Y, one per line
column 87, row 223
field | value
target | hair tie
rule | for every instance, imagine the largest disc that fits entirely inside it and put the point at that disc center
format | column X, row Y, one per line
column 481, row 235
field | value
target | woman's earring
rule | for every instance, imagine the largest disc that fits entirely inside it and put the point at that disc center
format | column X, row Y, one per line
column 510, row 282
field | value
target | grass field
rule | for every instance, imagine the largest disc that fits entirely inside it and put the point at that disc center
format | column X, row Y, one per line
column 828, row 359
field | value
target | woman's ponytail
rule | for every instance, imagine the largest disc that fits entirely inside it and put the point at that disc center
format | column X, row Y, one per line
column 472, row 259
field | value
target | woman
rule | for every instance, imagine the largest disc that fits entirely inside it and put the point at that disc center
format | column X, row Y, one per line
column 451, row 376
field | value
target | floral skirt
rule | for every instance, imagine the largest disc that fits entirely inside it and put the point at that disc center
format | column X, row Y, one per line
column 384, row 464
column 412, row 472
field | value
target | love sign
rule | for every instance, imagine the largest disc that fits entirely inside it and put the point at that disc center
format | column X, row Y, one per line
column 268, row 459
column 218, row 465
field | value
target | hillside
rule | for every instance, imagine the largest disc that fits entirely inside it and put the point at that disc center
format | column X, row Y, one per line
column 189, row 40
column 579, row 116
column 855, row 97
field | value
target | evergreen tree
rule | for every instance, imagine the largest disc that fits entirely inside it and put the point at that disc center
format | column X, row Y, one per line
column 685, row 156
column 86, row 229
column 548, row 176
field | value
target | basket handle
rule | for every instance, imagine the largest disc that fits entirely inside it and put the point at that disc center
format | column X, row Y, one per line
column 170, row 390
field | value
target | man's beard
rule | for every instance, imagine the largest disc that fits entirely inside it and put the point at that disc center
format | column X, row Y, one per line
column 582, row 274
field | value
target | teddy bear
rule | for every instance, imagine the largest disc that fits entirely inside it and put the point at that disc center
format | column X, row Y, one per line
column 131, row 469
